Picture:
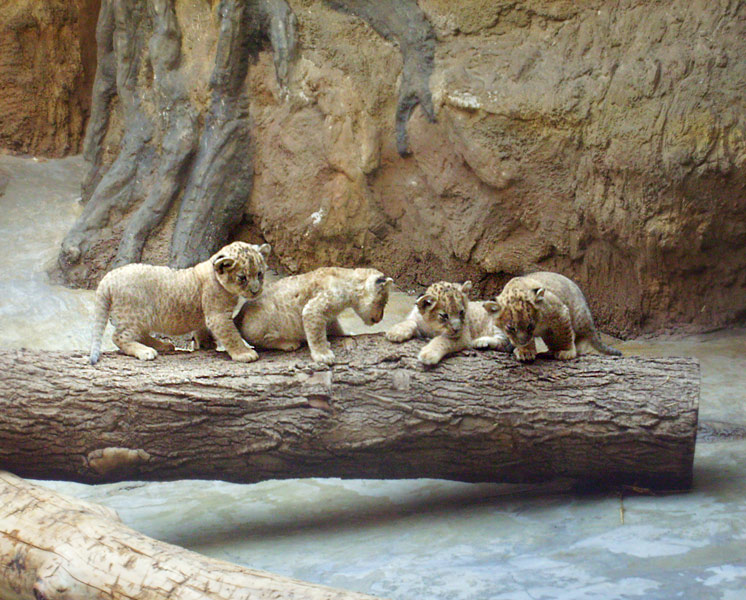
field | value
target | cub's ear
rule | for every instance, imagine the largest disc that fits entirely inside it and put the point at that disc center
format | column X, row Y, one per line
column 385, row 283
column 424, row 302
column 466, row 287
column 538, row 294
column 264, row 250
column 223, row 263
column 492, row 306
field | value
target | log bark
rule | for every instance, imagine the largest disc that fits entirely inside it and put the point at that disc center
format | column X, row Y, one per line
column 58, row 548
column 481, row 416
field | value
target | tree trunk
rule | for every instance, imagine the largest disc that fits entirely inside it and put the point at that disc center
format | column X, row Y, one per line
column 173, row 146
column 58, row 548
column 376, row 414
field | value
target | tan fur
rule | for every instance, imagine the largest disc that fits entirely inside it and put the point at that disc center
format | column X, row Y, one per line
column 144, row 299
column 445, row 313
column 549, row 306
column 305, row 308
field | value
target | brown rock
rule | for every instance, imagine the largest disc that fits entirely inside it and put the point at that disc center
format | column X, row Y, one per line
column 47, row 64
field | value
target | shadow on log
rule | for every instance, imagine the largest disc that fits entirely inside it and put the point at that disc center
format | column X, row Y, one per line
column 376, row 414
column 58, row 548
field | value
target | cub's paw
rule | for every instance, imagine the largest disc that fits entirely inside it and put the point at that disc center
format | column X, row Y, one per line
column 248, row 355
column 397, row 334
column 326, row 358
column 428, row 356
column 146, row 353
column 524, row 354
column 164, row 345
column 565, row 354
column 288, row 346
column 482, row 343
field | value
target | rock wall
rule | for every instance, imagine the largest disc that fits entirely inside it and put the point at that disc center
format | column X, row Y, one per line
column 47, row 64
column 606, row 140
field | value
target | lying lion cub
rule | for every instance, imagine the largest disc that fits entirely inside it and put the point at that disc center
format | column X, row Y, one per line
column 305, row 308
column 143, row 299
column 445, row 313
column 549, row 306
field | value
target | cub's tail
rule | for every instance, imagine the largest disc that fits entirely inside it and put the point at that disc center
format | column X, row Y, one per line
column 596, row 342
column 100, row 318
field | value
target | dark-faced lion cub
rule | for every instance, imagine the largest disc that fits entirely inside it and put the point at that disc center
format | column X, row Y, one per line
column 144, row 299
column 549, row 306
column 445, row 313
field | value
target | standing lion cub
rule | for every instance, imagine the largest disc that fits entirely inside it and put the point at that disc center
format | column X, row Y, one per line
column 445, row 313
column 549, row 306
column 144, row 299
column 305, row 307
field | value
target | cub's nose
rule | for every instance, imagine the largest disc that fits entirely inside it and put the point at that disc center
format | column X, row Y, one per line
column 255, row 287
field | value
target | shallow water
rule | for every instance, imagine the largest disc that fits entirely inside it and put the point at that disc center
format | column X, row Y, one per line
column 420, row 538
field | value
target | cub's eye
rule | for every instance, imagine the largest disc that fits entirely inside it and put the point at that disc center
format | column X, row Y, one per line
column 260, row 275
column 461, row 314
column 510, row 328
column 242, row 278
column 443, row 317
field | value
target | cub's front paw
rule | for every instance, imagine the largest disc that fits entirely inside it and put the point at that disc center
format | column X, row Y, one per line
column 397, row 334
column 565, row 354
column 482, row 343
column 428, row 356
column 248, row 355
column 524, row 354
column 326, row 358
column 146, row 353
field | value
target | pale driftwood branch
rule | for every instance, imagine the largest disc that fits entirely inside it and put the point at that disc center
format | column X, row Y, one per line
column 57, row 548
column 377, row 414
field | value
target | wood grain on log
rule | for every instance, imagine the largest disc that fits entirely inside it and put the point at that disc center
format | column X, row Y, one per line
column 57, row 548
column 376, row 414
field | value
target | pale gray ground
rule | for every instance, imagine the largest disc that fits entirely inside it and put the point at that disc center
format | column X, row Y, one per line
column 411, row 539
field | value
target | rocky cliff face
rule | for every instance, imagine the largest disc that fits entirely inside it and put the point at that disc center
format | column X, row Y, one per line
column 47, row 63
column 605, row 140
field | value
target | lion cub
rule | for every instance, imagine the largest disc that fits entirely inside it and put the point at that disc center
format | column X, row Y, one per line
column 143, row 299
column 305, row 307
column 549, row 306
column 445, row 314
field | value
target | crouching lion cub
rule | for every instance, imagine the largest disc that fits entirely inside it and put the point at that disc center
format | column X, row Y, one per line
column 144, row 299
column 305, row 307
column 445, row 314
column 549, row 306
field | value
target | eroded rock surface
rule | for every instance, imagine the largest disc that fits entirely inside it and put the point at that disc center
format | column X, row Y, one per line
column 47, row 62
column 605, row 140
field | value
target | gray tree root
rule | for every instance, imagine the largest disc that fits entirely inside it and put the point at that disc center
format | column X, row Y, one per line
column 402, row 22
column 58, row 548
column 172, row 150
column 481, row 416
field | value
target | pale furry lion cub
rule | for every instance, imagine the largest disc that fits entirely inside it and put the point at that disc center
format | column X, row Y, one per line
column 305, row 308
column 549, row 306
column 445, row 314
column 144, row 299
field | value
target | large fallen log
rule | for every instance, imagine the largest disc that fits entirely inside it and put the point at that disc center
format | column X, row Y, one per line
column 57, row 548
column 376, row 414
